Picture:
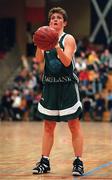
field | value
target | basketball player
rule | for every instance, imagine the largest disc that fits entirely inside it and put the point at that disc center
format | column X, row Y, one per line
column 60, row 98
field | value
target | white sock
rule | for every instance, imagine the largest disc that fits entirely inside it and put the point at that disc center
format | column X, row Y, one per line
column 46, row 157
column 78, row 157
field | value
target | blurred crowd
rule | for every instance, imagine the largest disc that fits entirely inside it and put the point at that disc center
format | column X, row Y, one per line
column 19, row 102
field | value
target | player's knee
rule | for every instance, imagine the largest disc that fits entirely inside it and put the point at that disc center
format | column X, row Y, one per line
column 49, row 126
column 74, row 126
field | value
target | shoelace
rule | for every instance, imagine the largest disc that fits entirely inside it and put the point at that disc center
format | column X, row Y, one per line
column 78, row 167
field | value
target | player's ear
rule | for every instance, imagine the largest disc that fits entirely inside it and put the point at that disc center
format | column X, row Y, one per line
column 49, row 23
column 65, row 23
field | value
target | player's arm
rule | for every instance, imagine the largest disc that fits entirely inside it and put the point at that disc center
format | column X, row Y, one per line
column 39, row 55
column 69, row 49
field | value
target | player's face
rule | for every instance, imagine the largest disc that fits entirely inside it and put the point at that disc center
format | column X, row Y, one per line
column 57, row 22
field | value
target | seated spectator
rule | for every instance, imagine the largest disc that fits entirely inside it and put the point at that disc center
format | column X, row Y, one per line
column 2, row 112
column 81, row 63
column 103, row 74
column 22, row 75
column 31, row 82
column 84, row 77
column 109, row 104
column 17, row 112
column 29, row 97
column 104, row 58
column 99, row 106
column 90, row 91
column 23, row 108
column 92, row 59
column 6, row 104
column 83, row 90
column 93, row 76
column 88, row 109
column 33, row 111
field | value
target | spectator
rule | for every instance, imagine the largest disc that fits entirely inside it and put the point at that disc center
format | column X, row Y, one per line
column 99, row 107
column 88, row 109
column 84, row 77
column 109, row 104
column 17, row 112
column 92, row 59
column 6, row 103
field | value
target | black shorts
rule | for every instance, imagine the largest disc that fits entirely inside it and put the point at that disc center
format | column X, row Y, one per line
column 60, row 102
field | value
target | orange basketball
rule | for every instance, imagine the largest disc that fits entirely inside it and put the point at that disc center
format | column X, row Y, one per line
column 45, row 38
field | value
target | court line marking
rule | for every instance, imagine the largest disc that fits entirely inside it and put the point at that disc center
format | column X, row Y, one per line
column 97, row 168
column 75, row 178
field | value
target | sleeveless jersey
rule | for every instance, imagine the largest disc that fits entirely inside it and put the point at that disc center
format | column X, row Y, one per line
column 54, row 70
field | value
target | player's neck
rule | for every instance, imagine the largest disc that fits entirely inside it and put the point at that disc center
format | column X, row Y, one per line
column 60, row 33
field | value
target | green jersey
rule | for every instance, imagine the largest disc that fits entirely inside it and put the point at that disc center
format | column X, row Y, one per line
column 55, row 71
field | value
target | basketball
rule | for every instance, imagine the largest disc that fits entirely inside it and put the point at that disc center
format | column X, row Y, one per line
column 45, row 38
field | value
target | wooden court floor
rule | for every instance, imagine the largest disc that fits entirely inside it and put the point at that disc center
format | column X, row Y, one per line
column 20, row 148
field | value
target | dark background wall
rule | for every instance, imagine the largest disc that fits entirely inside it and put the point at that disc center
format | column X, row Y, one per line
column 15, row 10
column 78, row 13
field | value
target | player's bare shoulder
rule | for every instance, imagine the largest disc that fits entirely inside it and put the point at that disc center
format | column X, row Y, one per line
column 69, row 37
column 70, row 40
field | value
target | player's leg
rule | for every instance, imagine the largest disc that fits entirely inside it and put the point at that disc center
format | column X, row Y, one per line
column 48, row 138
column 77, row 136
column 77, row 142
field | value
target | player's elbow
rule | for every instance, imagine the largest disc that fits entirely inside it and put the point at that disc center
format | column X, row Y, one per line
column 67, row 63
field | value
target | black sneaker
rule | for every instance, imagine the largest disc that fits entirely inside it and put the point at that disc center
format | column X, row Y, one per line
column 78, row 169
column 42, row 167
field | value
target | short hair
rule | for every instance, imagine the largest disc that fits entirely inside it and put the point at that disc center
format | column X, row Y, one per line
column 58, row 10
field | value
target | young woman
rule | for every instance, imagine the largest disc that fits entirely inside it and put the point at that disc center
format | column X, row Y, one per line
column 60, row 98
